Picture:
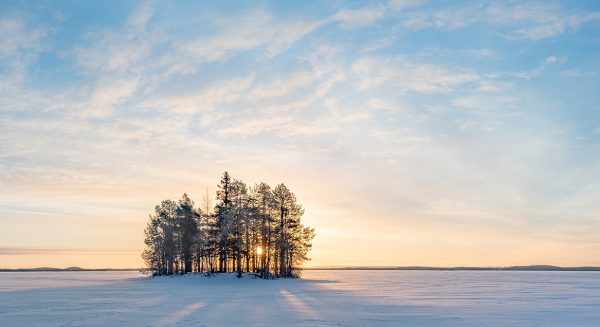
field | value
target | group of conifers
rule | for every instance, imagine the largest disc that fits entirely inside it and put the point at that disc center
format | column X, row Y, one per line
column 254, row 229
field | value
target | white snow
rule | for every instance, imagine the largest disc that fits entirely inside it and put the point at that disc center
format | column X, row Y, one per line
column 321, row 298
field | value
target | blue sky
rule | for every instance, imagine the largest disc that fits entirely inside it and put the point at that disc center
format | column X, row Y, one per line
column 413, row 132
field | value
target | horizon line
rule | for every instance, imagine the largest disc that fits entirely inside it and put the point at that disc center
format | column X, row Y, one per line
column 338, row 267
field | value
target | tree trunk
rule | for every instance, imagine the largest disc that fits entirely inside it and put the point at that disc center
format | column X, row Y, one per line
column 282, row 244
column 248, row 248
column 239, row 257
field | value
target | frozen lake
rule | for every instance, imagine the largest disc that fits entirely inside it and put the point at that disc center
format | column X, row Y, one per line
column 322, row 298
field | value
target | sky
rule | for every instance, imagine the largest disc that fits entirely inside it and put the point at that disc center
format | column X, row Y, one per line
column 437, row 133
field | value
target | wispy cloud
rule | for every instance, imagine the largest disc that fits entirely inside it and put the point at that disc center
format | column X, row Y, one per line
column 359, row 17
column 112, row 51
column 404, row 4
column 530, row 20
column 537, row 20
column 407, row 75
column 18, row 37
column 258, row 29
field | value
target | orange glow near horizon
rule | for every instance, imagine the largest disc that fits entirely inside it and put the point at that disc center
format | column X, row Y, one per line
column 109, row 234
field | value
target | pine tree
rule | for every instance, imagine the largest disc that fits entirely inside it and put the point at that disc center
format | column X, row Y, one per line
column 288, row 214
column 187, row 228
column 261, row 195
column 222, row 211
column 180, row 238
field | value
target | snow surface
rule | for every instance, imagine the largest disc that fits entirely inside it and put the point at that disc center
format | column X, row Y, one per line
column 322, row 298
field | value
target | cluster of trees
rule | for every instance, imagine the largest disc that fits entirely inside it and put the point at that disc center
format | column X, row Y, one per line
column 254, row 229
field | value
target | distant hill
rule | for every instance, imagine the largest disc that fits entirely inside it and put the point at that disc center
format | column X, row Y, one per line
column 511, row 268
column 50, row 269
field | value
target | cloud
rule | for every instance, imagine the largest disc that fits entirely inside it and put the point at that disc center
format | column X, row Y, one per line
column 280, row 87
column 527, row 74
column 139, row 18
column 20, row 45
column 481, row 53
column 403, row 4
column 537, row 20
column 409, row 76
column 203, row 99
column 382, row 103
column 378, row 44
column 516, row 21
column 442, row 19
column 359, row 17
column 256, row 126
column 551, row 60
column 17, row 37
column 112, row 51
column 107, row 94
column 494, row 86
column 249, row 31
column 469, row 102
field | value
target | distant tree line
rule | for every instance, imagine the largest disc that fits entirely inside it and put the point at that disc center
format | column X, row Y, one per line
column 254, row 229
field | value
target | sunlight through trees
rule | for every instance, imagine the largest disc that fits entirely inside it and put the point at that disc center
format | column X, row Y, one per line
column 254, row 229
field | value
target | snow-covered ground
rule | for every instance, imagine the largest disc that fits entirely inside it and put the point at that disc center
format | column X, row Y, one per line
column 338, row 298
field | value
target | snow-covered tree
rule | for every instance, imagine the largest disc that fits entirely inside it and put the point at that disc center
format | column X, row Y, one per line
column 253, row 230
